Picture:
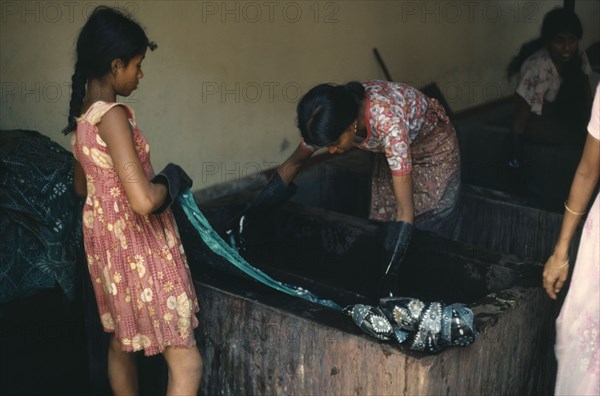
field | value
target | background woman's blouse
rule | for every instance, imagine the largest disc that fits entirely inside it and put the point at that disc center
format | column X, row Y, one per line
column 540, row 81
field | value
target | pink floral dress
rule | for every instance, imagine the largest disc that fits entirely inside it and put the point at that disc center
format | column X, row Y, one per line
column 578, row 325
column 137, row 264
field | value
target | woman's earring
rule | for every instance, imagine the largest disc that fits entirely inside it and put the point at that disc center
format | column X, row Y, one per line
column 355, row 126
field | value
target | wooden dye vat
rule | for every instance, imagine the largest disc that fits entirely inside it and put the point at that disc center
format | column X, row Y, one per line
column 258, row 341
column 486, row 146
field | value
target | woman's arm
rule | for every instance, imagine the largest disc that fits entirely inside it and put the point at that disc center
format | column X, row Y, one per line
column 79, row 181
column 405, row 208
column 291, row 166
column 584, row 183
column 143, row 196
column 278, row 190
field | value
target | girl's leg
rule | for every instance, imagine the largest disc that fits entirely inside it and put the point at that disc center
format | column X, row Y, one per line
column 185, row 370
column 122, row 370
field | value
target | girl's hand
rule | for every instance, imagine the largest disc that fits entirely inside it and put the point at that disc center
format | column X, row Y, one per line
column 555, row 275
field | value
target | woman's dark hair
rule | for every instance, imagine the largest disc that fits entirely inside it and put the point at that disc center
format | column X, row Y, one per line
column 107, row 35
column 555, row 22
column 327, row 110
column 561, row 20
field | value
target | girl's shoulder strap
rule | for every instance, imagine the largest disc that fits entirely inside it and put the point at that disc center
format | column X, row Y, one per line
column 97, row 110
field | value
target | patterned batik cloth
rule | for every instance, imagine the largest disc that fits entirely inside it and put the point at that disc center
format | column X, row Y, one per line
column 40, row 220
column 423, row 326
column 578, row 325
column 137, row 264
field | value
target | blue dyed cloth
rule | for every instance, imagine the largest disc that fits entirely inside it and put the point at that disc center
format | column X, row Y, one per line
column 212, row 239
column 40, row 216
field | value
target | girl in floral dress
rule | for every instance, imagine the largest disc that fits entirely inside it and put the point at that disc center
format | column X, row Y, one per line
column 578, row 325
column 135, row 258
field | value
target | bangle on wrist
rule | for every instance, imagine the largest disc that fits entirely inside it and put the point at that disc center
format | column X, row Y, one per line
column 572, row 211
column 559, row 266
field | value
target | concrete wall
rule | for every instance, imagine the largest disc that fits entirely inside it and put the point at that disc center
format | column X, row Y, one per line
column 219, row 94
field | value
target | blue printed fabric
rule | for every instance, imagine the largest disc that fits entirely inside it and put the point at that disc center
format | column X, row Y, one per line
column 40, row 216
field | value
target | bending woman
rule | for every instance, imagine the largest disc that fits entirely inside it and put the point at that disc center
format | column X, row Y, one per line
column 416, row 176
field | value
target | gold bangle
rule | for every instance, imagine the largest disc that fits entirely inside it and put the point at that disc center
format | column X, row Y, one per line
column 560, row 266
column 572, row 211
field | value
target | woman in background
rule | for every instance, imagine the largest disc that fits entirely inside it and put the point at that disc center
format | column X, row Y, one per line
column 553, row 97
column 552, row 105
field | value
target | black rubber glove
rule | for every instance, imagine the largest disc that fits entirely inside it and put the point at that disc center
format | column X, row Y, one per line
column 397, row 239
column 272, row 195
column 176, row 181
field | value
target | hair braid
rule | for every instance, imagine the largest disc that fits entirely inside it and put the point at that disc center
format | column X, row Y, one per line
column 78, row 82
